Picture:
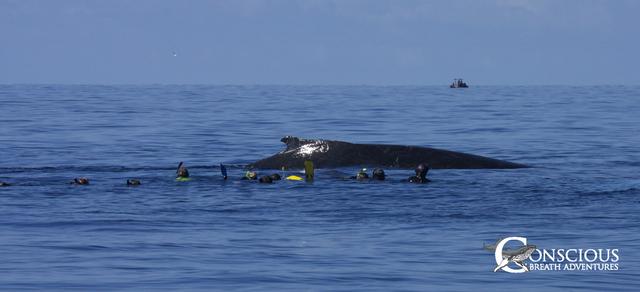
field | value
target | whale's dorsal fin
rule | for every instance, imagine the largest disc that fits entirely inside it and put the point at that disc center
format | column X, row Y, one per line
column 295, row 142
column 291, row 142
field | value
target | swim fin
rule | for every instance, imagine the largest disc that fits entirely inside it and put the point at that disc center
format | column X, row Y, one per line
column 308, row 169
column 223, row 170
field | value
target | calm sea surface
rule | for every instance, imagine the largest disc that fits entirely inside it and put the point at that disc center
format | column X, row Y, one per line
column 332, row 234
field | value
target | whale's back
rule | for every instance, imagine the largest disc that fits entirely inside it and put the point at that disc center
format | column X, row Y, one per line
column 331, row 154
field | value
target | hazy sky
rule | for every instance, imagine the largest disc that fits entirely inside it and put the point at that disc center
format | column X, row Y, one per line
column 320, row 42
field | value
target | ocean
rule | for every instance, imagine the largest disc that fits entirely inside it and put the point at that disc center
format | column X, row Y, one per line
column 332, row 234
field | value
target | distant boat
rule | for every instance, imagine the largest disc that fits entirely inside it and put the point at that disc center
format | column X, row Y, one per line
column 458, row 83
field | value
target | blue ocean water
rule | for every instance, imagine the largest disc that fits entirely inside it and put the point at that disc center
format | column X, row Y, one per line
column 332, row 234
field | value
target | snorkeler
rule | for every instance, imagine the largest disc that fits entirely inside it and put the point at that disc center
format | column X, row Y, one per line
column 250, row 175
column 361, row 175
column 378, row 174
column 4, row 184
column 133, row 182
column 275, row 176
column 80, row 181
column 421, row 174
column 182, row 171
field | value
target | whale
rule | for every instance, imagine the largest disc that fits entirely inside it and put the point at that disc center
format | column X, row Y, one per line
column 335, row 154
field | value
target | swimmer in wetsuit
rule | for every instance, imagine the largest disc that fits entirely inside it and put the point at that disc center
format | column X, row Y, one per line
column 266, row 179
column 378, row 174
column 421, row 174
column 182, row 173
column 250, row 175
column 361, row 175
column 80, row 181
column 133, row 182
column 275, row 177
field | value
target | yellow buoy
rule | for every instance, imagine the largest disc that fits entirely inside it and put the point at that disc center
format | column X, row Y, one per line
column 293, row 177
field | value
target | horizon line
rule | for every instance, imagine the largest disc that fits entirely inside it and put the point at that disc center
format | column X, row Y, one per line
column 307, row 84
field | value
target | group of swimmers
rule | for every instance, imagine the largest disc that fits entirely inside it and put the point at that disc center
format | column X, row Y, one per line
column 182, row 174
column 378, row 174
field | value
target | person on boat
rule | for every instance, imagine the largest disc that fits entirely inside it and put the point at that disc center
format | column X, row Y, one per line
column 378, row 174
column 421, row 174
column 182, row 171
column 80, row 181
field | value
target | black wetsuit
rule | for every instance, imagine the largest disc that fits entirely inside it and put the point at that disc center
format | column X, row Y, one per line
column 360, row 176
column 418, row 180
column 275, row 176
column 133, row 182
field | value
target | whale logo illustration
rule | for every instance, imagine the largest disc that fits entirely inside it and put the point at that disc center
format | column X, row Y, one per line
column 517, row 256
